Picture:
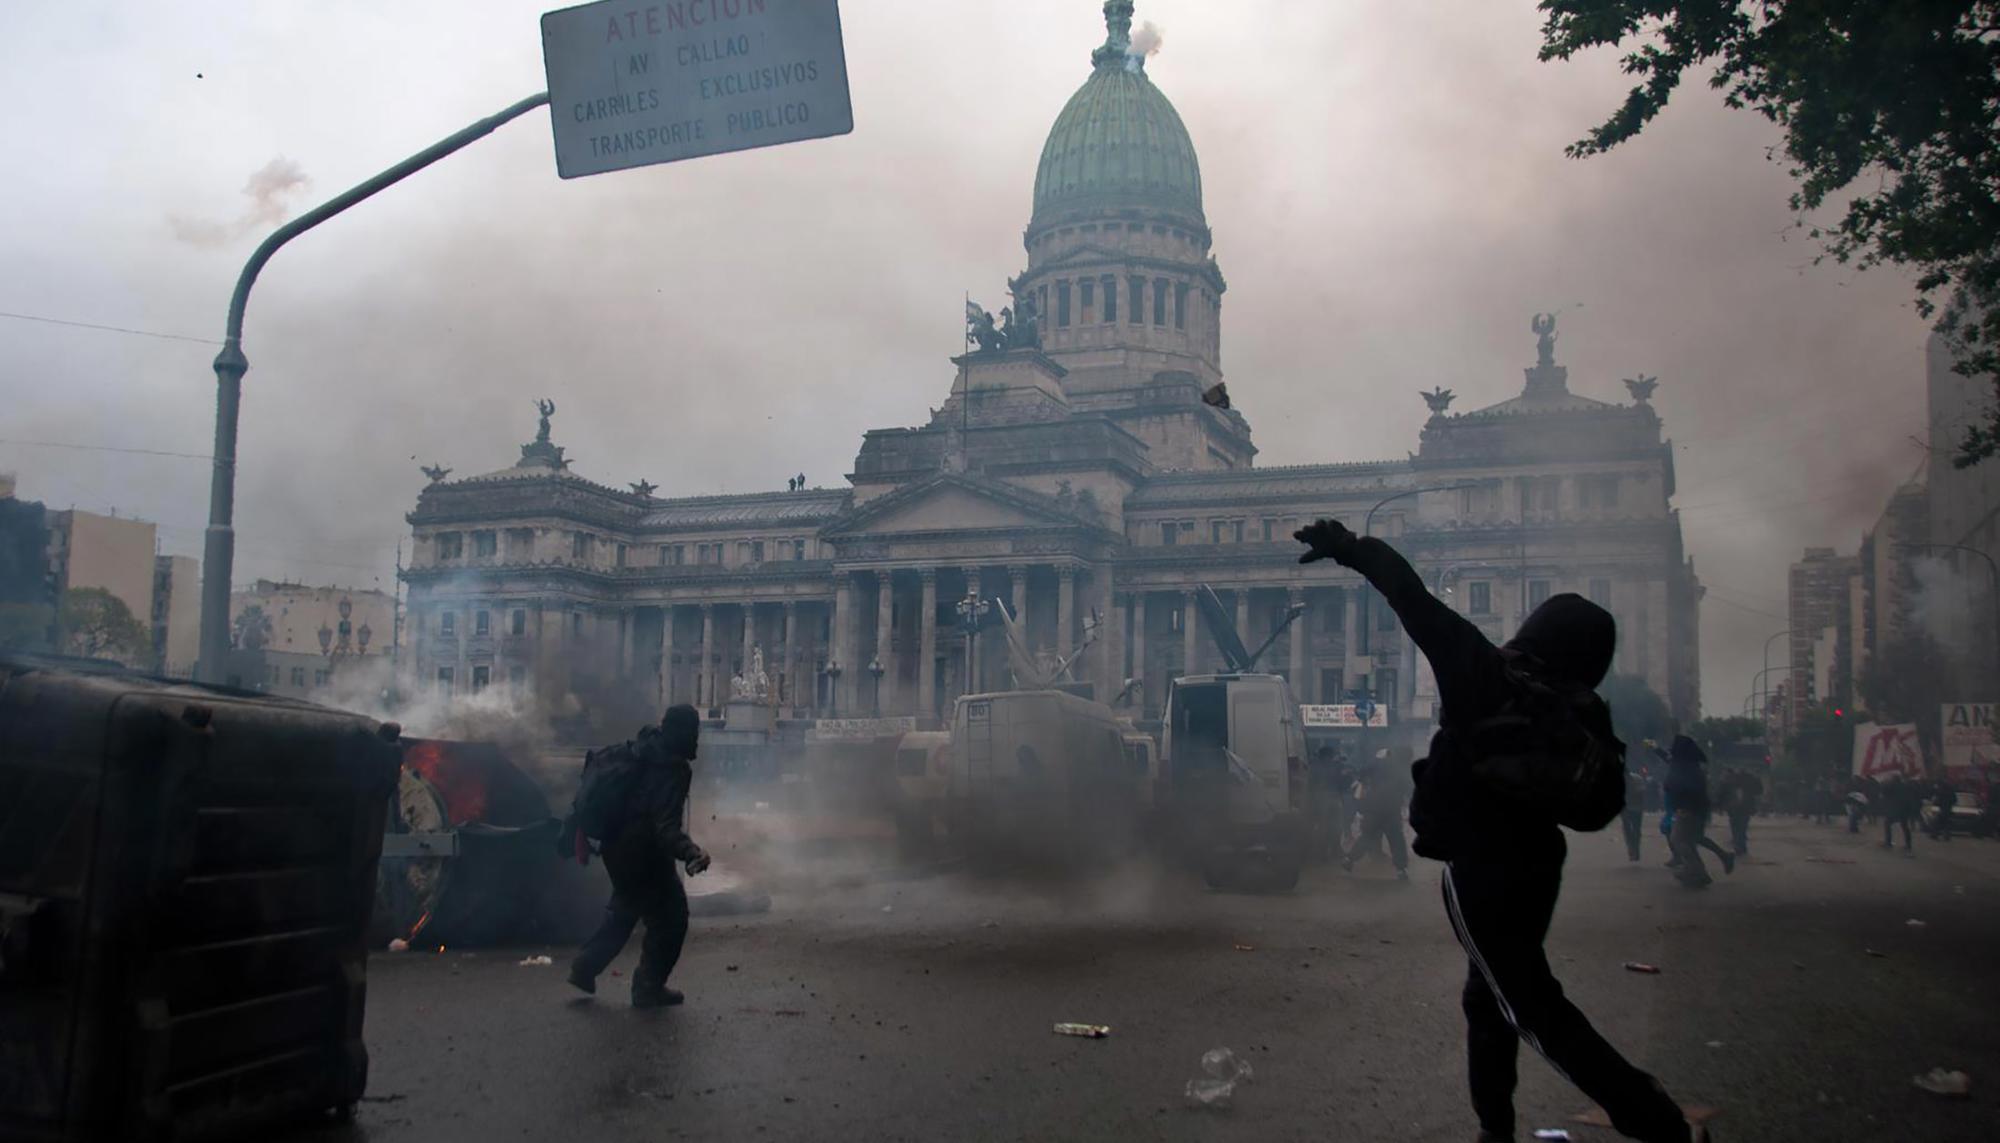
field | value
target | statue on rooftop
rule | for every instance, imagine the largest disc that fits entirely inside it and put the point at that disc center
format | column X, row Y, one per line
column 1544, row 326
column 644, row 487
column 1439, row 399
column 436, row 472
column 980, row 331
column 1641, row 387
column 548, row 409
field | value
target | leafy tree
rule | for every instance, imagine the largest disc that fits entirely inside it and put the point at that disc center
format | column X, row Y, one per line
column 251, row 629
column 25, row 626
column 96, row 624
column 1637, row 714
column 1899, row 98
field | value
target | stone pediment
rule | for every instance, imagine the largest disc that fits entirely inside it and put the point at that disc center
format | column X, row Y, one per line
column 952, row 502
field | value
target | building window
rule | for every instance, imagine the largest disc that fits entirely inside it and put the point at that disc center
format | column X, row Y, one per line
column 1180, row 305
column 756, row 551
column 1329, row 683
column 1385, row 615
column 520, row 543
column 451, row 545
column 1597, row 492
column 1270, row 530
column 1175, row 617
column 1062, row 303
column 482, row 624
column 298, row 676
column 1159, row 301
column 1538, row 593
column 517, row 679
column 1479, row 596
column 1225, row 531
column 445, row 675
column 1110, row 299
column 621, row 555
column 448, row 624
column 579, row 545
column 518, row 622
column 1539, row 494
column 1385, row 679
column 321, row 678
column 1087, row 299
column 1042, row 303
column 1169, row 532
column 480, row 677
column 1600, row 592
column 485, row 545
column 576, row 624
column 1135, row 299
column 798, row 549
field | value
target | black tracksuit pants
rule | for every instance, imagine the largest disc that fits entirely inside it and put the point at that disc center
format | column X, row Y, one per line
column 662, row 903
column 1634, row 823
column 1500, row 907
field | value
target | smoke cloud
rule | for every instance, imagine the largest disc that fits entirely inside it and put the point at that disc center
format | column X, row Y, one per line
column 269, row 188
column 1147, row 40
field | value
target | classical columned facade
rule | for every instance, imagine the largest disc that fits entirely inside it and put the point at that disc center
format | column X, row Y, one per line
column 1084, row 472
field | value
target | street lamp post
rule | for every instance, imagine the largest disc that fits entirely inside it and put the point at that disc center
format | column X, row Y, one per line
column 875, row 672
column 1756, row 682
column 971, row 610
column 832, row 672
column 219, row 543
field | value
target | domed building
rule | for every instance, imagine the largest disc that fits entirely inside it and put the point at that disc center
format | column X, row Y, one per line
column 1087, row 470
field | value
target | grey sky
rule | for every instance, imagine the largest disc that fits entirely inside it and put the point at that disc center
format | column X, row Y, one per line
column 1385, row 180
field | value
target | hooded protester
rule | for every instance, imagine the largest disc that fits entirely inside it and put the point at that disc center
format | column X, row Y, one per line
column 1687, row 785
column 640, row 848
column 1504, row 857
column 1384, row 790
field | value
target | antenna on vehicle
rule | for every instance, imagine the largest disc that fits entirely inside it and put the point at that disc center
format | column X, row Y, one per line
column 1222, row 630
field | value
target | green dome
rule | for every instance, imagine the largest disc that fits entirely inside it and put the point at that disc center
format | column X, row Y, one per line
column 1118, row 142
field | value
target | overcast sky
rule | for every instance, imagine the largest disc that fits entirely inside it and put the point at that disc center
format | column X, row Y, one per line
column 1385, row 180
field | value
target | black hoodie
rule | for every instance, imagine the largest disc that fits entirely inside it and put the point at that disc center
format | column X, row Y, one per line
column 1567, row 642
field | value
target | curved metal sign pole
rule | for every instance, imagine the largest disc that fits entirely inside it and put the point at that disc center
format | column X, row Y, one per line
column 219, row 547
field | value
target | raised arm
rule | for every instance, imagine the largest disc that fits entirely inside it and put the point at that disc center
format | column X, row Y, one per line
column 1459, row 652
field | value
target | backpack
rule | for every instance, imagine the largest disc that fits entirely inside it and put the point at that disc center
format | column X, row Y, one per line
column 1540, row 750
column 610, row 783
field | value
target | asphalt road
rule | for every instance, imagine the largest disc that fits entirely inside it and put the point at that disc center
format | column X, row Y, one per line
column 1796, row 996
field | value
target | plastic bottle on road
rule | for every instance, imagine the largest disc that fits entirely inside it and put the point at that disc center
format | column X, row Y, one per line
column 1222, row 1069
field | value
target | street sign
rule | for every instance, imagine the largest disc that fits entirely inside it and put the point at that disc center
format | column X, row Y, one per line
column 1344, row 715
column 633, row 83
column 1970, row 753
column 860, row 729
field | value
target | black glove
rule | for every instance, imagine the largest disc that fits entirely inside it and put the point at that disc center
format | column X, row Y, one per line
column 698, row 863
column 1329, row 540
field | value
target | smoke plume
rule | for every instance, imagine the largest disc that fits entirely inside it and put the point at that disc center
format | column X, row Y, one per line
column 269, row 189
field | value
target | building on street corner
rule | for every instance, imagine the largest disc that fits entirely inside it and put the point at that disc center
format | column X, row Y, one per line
column 1082, row 468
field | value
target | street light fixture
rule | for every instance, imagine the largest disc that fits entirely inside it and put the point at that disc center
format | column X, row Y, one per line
column 219, row 543
column 972, row 611
column 875, row 672
column 832, row 673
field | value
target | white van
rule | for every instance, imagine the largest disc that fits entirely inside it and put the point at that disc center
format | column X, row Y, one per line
column 1233, row 777
column 1043, row 774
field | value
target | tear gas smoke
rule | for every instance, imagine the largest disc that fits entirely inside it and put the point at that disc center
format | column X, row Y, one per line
column 1146, row 41
column 269, row 188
